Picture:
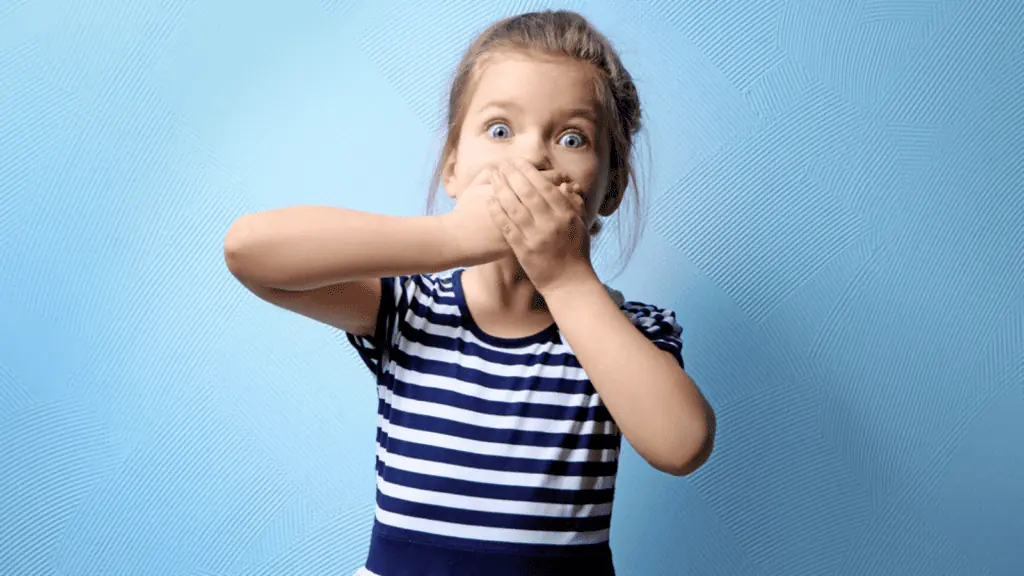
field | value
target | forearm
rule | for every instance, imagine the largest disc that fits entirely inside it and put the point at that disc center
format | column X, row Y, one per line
column 308, row 247
column 655, row 404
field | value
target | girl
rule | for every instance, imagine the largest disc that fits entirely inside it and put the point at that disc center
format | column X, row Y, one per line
column 506, row 372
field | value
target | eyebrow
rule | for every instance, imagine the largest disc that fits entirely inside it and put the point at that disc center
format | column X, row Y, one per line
column 585, row 113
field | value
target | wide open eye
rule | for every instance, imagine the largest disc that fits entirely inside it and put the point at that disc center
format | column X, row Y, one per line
column 572, row 140
column 499, row 130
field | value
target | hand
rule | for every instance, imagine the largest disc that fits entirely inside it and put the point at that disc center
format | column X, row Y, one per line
column 542, row 223
column 471, row 231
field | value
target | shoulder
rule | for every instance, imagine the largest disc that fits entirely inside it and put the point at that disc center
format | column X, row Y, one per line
column 652, row 319
column 419, row 286
column 645, row 315
column 656, row 322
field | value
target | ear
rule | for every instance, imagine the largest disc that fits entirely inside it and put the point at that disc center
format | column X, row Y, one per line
column 616, row 190
column 448, row 175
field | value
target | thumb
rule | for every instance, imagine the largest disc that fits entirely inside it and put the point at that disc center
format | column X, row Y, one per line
column 555, row 177
column 571, row 191
column 483, row 176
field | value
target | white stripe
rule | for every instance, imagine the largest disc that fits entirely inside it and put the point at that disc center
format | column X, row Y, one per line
column 495, row 448
column 459, row 333
column 438, row 283
column 494, row 394
column 428, row 301
column 462, row 502
column 496, row 477
column 491, row 534
column 397, row 292
column 427, row 293
column 364, row 572
column 517, row 423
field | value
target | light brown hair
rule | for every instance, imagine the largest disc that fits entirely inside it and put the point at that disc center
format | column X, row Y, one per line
column 568, row 34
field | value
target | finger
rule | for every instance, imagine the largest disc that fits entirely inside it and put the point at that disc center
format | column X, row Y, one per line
column 568, row 190
column 543, row 185
column 525, row 188
column 573, row 193
column 482, row 177
column 509, row 229
column 509, row 200
column 555, row 177
column 479, row 179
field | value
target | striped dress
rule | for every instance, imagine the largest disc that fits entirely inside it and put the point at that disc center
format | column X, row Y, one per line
column 495, row 456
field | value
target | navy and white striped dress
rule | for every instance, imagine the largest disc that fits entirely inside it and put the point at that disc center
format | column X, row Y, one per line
column 495, row 456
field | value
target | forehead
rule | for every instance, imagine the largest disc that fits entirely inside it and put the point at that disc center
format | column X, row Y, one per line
column 534, row 82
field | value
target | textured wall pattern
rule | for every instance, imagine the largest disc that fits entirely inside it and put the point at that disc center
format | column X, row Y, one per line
column 836, row 201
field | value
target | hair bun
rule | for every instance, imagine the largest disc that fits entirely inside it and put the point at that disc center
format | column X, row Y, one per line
column 627, row 102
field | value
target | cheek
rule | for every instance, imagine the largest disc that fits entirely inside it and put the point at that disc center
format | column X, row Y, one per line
column 468, row 174
column 595, row 196
column 588, row 176
column 472, row 159
column 590, row 212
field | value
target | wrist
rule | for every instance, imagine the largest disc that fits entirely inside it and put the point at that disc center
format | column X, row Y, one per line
column 571, row 282
column 449, row 242
column 458, row 247
column 463, row 243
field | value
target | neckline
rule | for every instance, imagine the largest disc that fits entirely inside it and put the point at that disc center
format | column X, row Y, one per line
column 549, row 334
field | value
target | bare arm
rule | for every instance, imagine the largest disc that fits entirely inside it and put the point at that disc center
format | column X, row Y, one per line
column 326, row 263
column 308, row 247
column 655, row 403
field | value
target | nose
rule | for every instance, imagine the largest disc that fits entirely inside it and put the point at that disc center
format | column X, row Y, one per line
column 534, row 150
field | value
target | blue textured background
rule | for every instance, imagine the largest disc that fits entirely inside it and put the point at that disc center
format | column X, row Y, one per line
column 837, row 213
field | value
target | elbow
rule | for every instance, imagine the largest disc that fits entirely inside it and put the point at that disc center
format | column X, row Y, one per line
column 236, row 243
column 684, row 462
column 690, row 455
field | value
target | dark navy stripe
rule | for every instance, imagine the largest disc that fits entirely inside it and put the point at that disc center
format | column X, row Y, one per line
column 497, row 463
column 498, row 408
column 370, row 348
column 494, row 491
column 369, row 355
column 489, row 519
column 432, row 296
column 673, row 349
column 440, row 342
column 417, row 307
column 399, row 552
column 497, row 435
column 410, row 305
column 454, row 369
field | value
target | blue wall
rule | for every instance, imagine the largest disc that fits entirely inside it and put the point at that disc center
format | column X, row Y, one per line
column 836, row 200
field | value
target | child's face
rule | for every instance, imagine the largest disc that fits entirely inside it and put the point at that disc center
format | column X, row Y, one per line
column 544, row 110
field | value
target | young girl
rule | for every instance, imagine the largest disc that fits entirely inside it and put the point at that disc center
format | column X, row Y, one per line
column 506, row 372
